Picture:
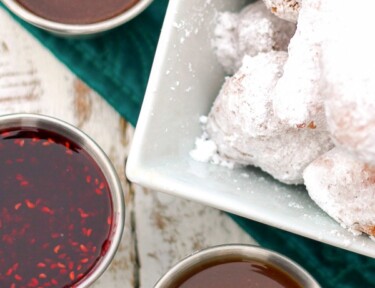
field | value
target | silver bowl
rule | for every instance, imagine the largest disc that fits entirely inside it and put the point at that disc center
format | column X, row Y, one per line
column 77, row 136
column 76, row 29
column 234, row 252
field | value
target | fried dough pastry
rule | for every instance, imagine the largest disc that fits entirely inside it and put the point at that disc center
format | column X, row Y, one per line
column 348, row 61
column 249, row 32
column 298, row 98
column 242, row 124
column 344, row 188
column 285, row 9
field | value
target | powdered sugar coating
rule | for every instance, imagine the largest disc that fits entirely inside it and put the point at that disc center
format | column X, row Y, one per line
column 242, row 125
column 247, row 95
column 344, row 188
column 285, row 9
column 275, row 112
column 348, row 60
column 298, row 98
column 249, row 32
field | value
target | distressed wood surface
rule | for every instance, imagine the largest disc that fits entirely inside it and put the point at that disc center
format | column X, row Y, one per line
column 159, row 229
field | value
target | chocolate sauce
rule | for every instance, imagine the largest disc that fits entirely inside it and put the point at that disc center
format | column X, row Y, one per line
column 238, row 274
column 77, row 11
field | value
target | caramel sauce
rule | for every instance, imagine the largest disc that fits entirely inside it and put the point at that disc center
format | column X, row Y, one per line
column 77, row 11
column 238, row 274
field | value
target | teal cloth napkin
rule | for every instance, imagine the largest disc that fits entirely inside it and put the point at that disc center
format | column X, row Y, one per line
column 117, row 65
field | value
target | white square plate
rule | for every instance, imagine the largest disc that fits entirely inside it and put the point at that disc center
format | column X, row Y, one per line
column 184, row 82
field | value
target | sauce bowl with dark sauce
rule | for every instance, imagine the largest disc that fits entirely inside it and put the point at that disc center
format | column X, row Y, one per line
column 236, row 266
column 62, row 208
column 76, row 18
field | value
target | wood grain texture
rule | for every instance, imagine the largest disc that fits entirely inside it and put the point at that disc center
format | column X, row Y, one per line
column 159, row 229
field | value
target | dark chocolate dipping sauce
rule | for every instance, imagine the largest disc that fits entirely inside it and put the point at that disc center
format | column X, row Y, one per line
column 77, row 11
column 253, row 274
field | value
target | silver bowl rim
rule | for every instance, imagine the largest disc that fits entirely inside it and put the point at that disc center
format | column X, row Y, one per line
column 245, row 251
column 63, row 29
column 61, row 127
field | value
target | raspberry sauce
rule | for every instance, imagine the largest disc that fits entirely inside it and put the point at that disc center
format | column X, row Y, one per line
column 55, row 210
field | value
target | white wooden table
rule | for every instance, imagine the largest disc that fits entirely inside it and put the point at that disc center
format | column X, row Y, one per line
column 160, row 229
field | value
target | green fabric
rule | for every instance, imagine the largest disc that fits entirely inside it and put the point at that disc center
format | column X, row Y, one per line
column 117, row 66
column 331, row 267
column 117, row 63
